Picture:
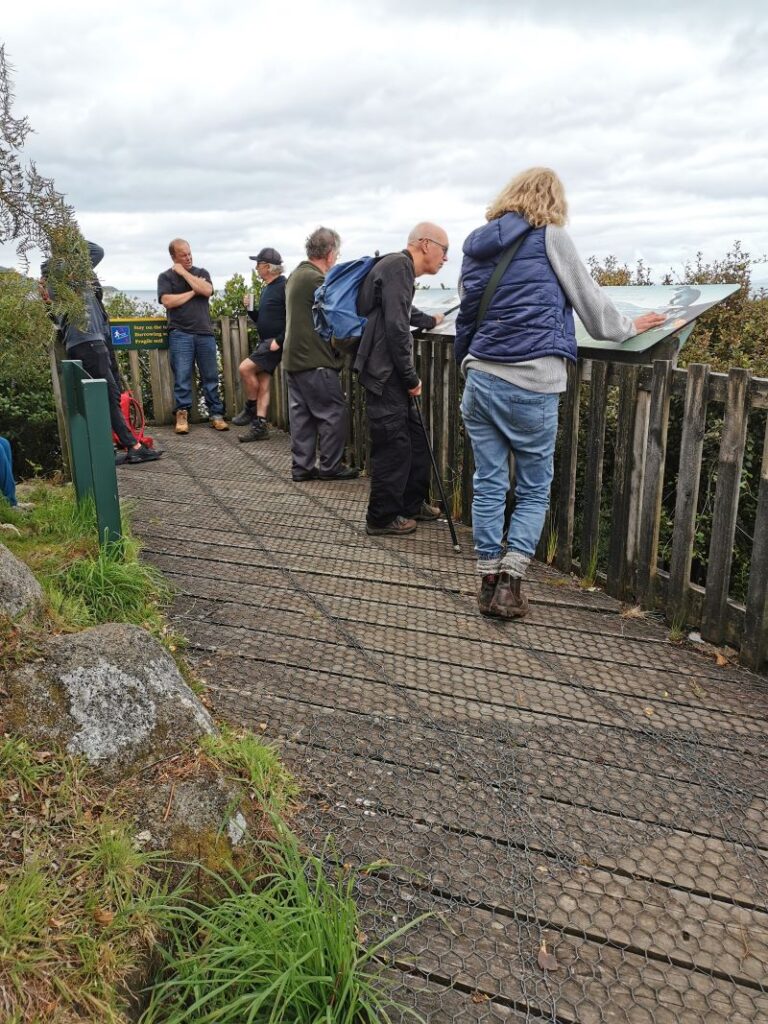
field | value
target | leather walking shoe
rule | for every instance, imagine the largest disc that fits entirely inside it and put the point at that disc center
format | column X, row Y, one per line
column 142, row 454
column 486, row 592
column 258, row 431
column 246, row 414
column 182, row 421
column 300, row 475
column 218, row 423
column 399, row 527
column 342, row 473
column 427, row 513
column 508, row 600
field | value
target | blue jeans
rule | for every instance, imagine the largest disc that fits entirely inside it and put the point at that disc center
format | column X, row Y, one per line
column 185, row 350
column 502, row 419
column 7, row 483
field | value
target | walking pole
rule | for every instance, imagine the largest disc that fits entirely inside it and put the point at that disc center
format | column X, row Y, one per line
column 451, row 527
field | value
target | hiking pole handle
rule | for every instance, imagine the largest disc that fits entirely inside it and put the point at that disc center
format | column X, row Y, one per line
column 451, row 527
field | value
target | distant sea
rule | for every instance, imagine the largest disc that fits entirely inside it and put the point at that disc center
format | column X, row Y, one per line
column 144, row 296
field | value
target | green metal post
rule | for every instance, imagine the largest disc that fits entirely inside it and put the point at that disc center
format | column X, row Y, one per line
column 102, row 460
column 72, row 373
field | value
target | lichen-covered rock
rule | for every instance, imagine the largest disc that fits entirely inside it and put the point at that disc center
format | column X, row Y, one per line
column 111, row 693
column 114, row 695
column 19, row 590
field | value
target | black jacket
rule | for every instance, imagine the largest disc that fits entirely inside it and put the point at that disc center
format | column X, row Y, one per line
column 386, row 298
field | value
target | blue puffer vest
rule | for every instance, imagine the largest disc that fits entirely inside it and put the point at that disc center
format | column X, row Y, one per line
column 529, row 315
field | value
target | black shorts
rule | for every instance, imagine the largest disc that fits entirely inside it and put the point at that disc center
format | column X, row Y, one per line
column 264, row 360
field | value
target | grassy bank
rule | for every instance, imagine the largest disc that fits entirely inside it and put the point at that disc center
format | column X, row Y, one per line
column 89, row 915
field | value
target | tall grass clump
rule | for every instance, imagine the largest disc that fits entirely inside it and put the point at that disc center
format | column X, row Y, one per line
column 255, row 764
column 86, row 584
column 112, row 585
column 285, row 946
column 77, row 896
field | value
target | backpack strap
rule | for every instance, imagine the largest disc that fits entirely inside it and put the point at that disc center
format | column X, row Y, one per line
column 506, row 258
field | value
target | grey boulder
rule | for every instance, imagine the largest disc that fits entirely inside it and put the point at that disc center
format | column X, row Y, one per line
column 19, row 590
column 111, row 693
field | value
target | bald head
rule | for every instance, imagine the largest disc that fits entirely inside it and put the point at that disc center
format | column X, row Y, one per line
column 428, row 245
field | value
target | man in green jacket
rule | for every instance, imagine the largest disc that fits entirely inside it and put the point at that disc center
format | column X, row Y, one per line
column 316, row 404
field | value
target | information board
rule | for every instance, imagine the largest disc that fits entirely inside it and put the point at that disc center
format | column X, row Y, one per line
column 139, row 333
column 681, row 304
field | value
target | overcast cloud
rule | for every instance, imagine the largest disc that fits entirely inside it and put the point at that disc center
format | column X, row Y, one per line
column 252, row 125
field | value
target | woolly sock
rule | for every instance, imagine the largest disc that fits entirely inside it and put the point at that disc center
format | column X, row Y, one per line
column 515, row 563
column 488, row 566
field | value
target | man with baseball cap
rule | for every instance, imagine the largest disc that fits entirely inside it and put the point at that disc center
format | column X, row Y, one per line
column 256, row 371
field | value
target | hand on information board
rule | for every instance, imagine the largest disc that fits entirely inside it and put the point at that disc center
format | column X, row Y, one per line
column 648, row 321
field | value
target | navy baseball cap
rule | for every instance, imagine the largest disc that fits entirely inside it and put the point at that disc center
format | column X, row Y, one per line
column 268, row 256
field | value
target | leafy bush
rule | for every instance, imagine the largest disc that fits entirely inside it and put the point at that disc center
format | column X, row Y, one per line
column 27, row 408
column 230, row 301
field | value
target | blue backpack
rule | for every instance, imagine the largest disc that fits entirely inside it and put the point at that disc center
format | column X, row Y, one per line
column 334, row 311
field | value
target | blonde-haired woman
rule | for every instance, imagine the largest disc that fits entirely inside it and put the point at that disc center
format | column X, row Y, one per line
column 513, row 341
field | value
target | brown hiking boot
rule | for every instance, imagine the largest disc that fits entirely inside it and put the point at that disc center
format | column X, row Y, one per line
column 399, row 527
column 182, row 421
column 218, row 423
column 486, row 592
column 508, row 600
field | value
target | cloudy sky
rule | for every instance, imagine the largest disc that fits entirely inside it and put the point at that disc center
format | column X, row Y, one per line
column 252, row 125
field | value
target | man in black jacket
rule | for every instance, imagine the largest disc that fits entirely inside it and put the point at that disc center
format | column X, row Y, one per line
column 400, row 465
column 257, row 369
column 90, row 342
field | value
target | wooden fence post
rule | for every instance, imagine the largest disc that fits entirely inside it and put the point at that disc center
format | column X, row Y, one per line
column 617, row 582
column 593, row 477
column 227, row 359
column 754, row 647
column 61, row 419
column 653, row 482
column 687, row 498
column 566, row 492
column 726, row 505
column 161, row 386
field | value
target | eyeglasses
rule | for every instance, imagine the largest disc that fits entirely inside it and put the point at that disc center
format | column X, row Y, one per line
column 435, row 242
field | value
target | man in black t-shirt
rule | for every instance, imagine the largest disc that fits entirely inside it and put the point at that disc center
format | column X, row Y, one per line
column 256, row 371
column 185, row 291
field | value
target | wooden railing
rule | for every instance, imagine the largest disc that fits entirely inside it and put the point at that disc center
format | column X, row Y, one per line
column 616, row 496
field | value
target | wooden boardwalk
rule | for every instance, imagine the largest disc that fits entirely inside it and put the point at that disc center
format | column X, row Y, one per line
column 573, row 779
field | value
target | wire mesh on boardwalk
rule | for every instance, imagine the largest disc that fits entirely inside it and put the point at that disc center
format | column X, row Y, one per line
column 577, row 803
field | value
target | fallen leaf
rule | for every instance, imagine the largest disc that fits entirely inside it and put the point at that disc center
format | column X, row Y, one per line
column 104, row 917
column 547, row 961
column 56, row 922
column 720, row 660
column 480, row 997
column 648, row 711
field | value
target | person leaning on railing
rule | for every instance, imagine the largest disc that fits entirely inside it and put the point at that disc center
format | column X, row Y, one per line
column 514, row 337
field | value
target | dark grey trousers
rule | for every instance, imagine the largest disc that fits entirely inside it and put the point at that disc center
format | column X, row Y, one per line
column 318, row 414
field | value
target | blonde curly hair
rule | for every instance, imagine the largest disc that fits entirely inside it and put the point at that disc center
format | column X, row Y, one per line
column 536, row 194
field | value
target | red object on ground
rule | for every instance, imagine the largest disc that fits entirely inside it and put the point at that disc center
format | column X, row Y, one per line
column 134, row 417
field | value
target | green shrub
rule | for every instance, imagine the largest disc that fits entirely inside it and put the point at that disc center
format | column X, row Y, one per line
column 229, row 301
column 27, row 409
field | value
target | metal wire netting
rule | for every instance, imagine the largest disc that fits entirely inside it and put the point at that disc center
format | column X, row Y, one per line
column 575, row 804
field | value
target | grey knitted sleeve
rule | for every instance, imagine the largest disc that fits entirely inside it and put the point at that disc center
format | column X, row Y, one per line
column 600, row 317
